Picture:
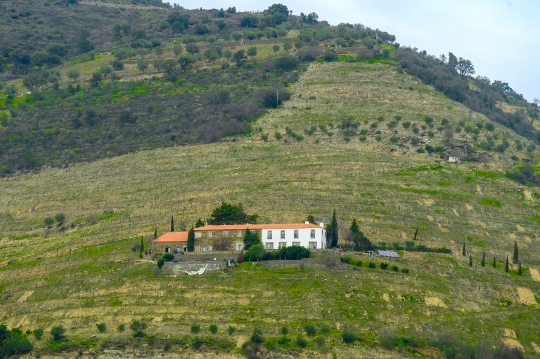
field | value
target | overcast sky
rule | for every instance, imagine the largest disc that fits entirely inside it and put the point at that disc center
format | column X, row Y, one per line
column 500, row 37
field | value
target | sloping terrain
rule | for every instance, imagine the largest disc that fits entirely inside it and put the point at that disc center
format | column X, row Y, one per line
column 81, row 273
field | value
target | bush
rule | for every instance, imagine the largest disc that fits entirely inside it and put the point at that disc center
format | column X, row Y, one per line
column 257, row 336
column 349, row 337
column 138, row 328
column 48, row 221
column 310, row 329
column 58, row 333
column 372, row 265
column 283, row 340
column 213, row 328
column 231, row 330
column 405, row 270
column 121, row 327
column 101, row 327
column 395, row 268
column 284, row 330
column 384, row 266
column 195, row 328
column 279, row 136
column 60, row 218
column 38, row 334
column 301, row 341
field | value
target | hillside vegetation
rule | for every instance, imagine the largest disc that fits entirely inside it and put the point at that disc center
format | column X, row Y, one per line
column 390, row 193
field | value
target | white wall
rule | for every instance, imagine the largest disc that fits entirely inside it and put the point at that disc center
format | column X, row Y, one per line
column 304, row 237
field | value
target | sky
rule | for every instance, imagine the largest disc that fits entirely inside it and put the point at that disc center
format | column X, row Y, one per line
column 500, row 37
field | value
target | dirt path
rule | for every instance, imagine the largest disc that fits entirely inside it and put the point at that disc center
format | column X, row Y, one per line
column 25, row 296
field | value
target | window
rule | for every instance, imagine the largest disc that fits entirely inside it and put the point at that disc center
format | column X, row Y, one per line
column 312, row 245
column 282, row 245
column 297, row 244
column 282, row 235
column 197, row 234
column 239, row 234
column 269, row 235
column 197, row 248
column 209, row 248
column 312, row 233
column 270, row 246
column 167, row 250
column 225, row 233
column 209, row 234
column 239, row 246
column 296, row 234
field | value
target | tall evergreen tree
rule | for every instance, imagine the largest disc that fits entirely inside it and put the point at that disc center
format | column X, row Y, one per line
column 415, row 234
column 141, row 250
column 191, row 240
column 155, row 233
column 506, row 266
column 199, row 223
column 520, row 271
column 484, row 259
column 464, row 250
column 470, row 260
column 335, row 231
column 515, row 257
column 494, row 262
column 172, row 223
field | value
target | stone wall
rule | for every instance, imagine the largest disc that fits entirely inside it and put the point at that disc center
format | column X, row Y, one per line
column 180, row 268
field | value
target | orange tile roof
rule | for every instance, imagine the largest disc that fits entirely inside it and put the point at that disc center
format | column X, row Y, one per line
column 172, row 237
column 237, row 227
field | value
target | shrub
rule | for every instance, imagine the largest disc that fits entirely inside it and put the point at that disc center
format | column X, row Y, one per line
column 38, row 334
column 231, row 330
column 363, row 138
column 101, row 327
column 278, row 135
column 372, row 265
column 60, row 218
column 395, row 268
column 138, row 328
column 257, row 336
column 301, row 341
column 121, row 327
column 284, row 330
column 378, row 138
column 310, row 329
column 195, row 328
column 58, row 333
column 213, row 328
column 283, row 340
column 264, row 137
column 405, row 270
column 394, row 139
column 384, row 266
column 325, row 329
column 349, row 337
column 48, row 221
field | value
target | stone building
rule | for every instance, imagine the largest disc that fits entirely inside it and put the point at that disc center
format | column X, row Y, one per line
column 170, row 242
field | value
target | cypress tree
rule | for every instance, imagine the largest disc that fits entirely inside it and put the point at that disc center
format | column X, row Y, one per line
column 415, row 234
column 470, row 260
column 464, row 250
column 191, row 240
column 494, row 262
column 172, row 223
column 506, row 266
column 515, row 258
column 520, row 271
column 484, row 259
column 142, row 245
column 155, row 233
column 334, row 230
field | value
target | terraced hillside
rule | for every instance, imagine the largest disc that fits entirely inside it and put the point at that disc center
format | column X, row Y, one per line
column 81, row 273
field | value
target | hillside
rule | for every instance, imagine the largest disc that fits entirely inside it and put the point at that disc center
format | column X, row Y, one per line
column 390, row 192
column 364, row 127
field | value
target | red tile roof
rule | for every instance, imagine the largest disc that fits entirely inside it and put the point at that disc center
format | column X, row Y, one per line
column 238, row 227
column 172, row 237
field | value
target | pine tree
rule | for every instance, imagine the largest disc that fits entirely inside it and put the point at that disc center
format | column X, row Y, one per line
column 520, row 271
column 191, row 240
column 142, row 246
column 415, row 234
column 484, row 259
column 470, row 260
column 172, row 223
column 155, row 233
column 464, row 250
column 334, row 230
column 506, row 266
column 515, row 258
column 494, row 262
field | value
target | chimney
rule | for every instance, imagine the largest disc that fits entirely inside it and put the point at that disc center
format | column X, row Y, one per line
column 321, row 225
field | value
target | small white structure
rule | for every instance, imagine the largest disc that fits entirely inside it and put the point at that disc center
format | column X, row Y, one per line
column 453, row 160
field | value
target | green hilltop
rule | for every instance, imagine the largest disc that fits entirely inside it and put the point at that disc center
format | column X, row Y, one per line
column 343, row 119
